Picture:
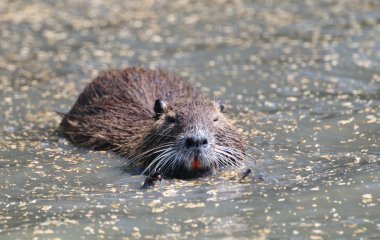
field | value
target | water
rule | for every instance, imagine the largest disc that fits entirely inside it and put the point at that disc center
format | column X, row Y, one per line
column 302, row 78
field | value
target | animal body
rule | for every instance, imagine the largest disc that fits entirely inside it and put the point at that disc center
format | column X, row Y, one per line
column 157, row 121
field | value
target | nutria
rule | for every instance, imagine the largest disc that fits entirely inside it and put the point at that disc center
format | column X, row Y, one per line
column 157, row 121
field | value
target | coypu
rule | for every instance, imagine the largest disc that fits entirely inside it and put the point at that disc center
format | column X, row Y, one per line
column 156, row 120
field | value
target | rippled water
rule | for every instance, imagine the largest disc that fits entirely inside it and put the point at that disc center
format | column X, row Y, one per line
column 302, row 78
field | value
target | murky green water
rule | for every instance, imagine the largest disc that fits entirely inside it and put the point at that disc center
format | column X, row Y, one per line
column 302, row 78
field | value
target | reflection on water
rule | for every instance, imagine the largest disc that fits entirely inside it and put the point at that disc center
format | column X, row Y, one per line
column 302, row 78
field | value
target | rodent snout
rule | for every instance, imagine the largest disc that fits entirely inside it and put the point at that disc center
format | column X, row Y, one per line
column 195, row 142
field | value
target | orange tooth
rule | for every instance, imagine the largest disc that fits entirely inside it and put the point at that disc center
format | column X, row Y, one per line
column 196, row 164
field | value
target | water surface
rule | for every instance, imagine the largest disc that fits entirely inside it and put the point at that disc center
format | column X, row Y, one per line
column 301, row 78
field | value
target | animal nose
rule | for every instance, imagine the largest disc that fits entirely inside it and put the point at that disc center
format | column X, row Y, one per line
column 195, row 142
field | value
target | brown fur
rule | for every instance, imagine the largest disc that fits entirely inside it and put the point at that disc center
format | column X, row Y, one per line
column 115, row 111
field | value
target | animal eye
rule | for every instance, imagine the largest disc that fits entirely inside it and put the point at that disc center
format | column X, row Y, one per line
column 170, row 119
column 216, row 119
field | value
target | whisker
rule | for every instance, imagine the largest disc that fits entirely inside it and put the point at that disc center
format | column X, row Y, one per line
column 149, row 153
column 157, row 159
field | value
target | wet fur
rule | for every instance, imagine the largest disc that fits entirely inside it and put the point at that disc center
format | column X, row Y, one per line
column 115, row 111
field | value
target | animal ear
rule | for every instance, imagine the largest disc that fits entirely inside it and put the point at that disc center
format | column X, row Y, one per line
column 159, row 107
column 220, row 105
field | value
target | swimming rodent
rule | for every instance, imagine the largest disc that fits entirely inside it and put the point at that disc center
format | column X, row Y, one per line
column 157, row 121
